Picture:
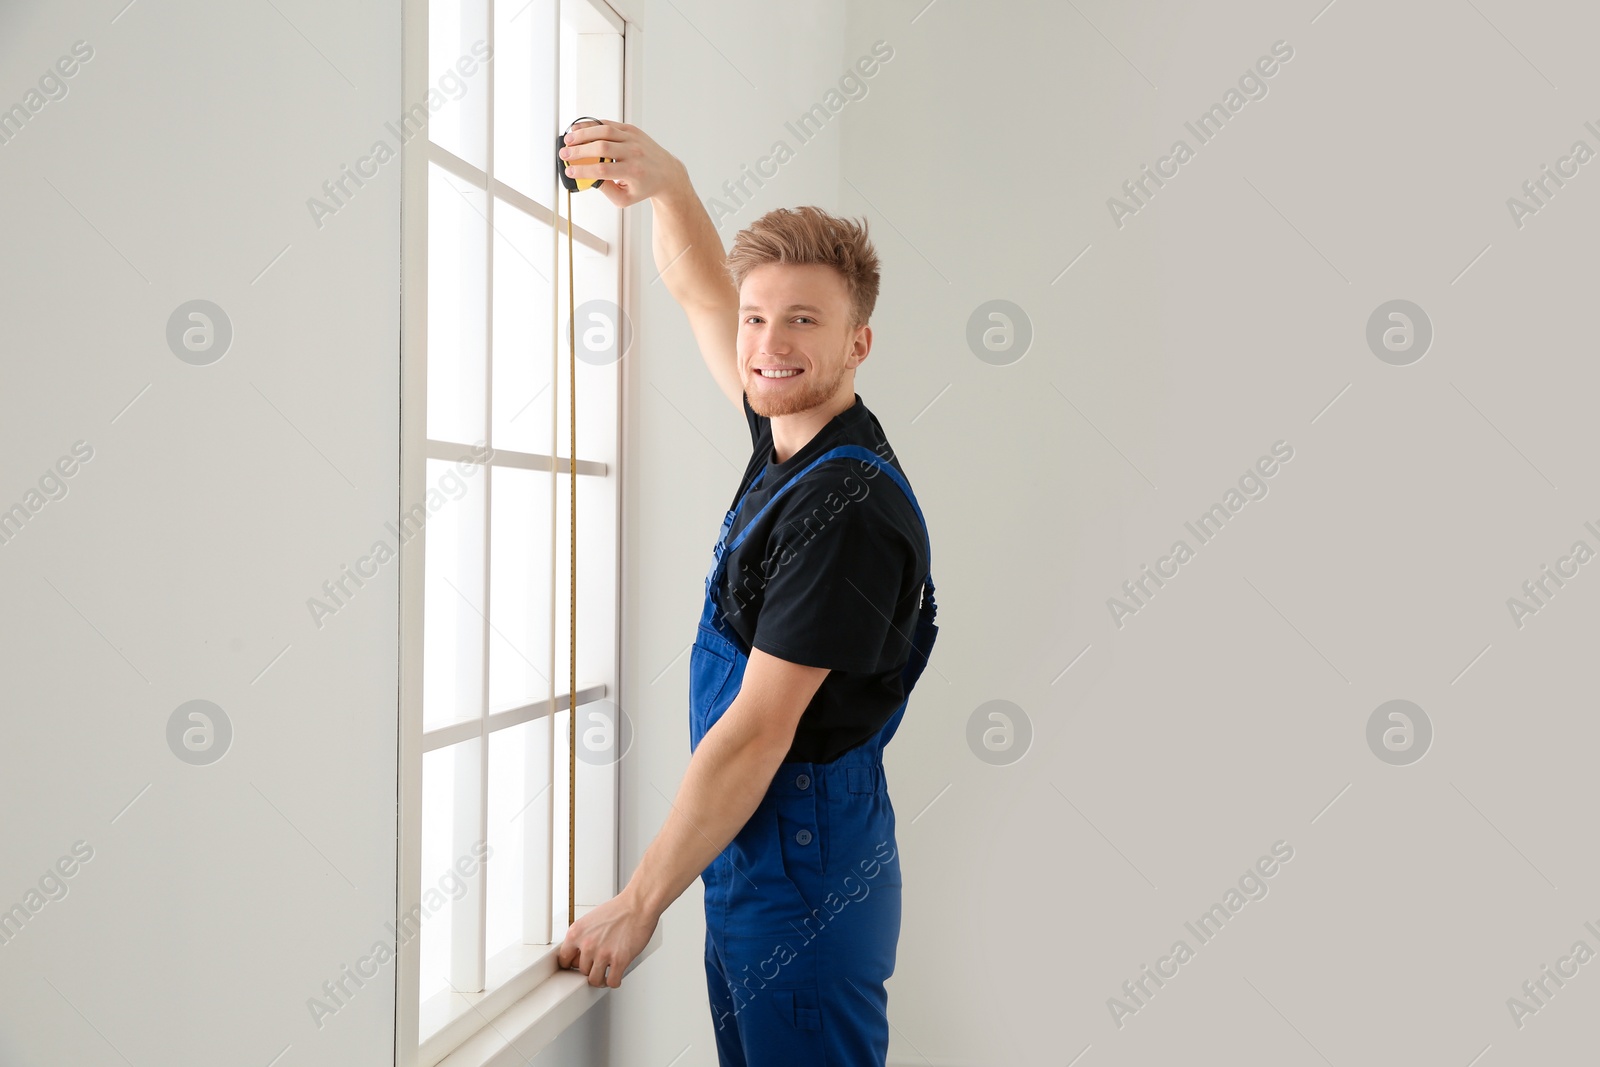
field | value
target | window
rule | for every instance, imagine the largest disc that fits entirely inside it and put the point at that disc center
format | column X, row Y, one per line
column 485, row 506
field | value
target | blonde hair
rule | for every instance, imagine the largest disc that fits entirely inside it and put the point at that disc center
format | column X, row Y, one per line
column 809, row 235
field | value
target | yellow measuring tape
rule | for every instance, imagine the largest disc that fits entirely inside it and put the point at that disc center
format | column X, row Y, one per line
column 573, row 185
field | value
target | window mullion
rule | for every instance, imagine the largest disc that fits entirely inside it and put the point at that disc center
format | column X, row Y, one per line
column 538, row 828
column 481, row 888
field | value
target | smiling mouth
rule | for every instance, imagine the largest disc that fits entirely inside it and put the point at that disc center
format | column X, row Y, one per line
column 778, row 375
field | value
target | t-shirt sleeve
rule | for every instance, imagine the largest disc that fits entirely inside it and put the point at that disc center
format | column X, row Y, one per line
column 833, row 590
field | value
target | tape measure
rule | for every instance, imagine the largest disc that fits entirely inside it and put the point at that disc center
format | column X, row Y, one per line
column 573, row 185
column 576, row 185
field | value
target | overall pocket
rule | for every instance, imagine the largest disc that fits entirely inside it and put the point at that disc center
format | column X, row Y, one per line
column 761, row 896
column 709, row 671
column 774, row 987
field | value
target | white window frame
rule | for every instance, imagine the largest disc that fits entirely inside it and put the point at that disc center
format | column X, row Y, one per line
column 523, row 1000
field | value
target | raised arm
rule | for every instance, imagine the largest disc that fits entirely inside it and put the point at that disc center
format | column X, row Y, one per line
column 688, row 252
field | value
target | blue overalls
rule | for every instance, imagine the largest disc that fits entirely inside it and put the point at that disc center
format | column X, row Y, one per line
column 803, row 906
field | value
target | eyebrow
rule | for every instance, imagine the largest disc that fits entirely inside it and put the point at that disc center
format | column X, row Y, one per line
column 791, row 307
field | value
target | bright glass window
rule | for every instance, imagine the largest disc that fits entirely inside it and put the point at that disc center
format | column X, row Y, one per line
column 486, row 500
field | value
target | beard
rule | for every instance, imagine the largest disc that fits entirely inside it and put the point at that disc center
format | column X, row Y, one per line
column 796, row 397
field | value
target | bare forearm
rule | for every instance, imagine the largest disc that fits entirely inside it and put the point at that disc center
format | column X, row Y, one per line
column 726, row 779
column 688, row 250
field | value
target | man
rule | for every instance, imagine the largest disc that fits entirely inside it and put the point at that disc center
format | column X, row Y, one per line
column 817, row 620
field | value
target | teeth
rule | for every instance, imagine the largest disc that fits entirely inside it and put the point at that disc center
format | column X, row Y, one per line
column 778, row 374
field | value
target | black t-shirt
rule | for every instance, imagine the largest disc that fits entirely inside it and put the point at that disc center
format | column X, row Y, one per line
column 830, row 576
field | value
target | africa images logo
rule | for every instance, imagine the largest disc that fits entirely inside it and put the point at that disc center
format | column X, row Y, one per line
column 413, row 123
column 1251, row 886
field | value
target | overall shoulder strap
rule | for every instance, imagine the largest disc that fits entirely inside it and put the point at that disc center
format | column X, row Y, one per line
column 857, row 452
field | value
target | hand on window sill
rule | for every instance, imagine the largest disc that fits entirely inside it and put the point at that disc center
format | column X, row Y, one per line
column 610, row 935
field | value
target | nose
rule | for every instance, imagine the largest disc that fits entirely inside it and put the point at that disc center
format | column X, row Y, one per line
column 771, row 339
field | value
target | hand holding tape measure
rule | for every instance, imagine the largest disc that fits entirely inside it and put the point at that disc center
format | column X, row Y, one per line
column 617, row 158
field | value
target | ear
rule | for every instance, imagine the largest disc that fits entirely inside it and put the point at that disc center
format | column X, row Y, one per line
column 863, row 346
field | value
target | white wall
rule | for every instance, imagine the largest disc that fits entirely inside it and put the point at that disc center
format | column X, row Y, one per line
column 1228, row 314
column 1232, row 710
column 218, row 499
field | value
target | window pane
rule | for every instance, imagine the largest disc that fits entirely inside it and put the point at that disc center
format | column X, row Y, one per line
column 519, row 826
column 457, row 107
column 597, row 580
column 558, row 793
column 524, row 97
column 603, row 738
column 451, row 845
column 452, row 513
column 519, row 602
column 604, row 339
column 591, row 84
column 523, row 334
column 457, row 311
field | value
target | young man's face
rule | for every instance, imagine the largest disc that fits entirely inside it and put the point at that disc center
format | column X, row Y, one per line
column 797, row 318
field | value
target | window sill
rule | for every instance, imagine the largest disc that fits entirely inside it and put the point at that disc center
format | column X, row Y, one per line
column 529, row 1002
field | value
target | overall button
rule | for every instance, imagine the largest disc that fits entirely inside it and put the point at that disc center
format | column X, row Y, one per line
column 802, row 782
column 803, row 837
